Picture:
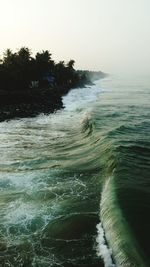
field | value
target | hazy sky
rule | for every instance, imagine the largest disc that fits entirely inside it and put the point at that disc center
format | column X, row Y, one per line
column 111, row 35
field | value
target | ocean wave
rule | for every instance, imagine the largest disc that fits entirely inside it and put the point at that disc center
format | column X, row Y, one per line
column 125, row 250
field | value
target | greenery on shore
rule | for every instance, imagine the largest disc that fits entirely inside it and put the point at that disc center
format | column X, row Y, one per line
column 31, row 85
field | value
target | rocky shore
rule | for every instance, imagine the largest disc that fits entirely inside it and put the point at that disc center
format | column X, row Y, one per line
column 29, row 103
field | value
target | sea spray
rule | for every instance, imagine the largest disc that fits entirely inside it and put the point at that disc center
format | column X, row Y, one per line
column 102, row 249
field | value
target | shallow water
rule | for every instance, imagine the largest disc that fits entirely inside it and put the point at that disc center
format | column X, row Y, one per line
column 75, row 187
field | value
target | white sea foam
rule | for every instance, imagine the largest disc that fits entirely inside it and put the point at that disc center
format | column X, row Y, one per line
column 102, row 249
column 80, row 97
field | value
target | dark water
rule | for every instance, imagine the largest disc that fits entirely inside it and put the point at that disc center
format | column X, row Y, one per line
column 75, row 187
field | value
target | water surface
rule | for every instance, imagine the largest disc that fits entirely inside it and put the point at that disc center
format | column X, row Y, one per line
column 75, row 187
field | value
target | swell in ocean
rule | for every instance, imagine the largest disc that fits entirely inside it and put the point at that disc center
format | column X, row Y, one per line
column 74, row 185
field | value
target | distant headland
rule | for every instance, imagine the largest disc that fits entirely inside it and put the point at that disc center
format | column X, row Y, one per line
column 33, row 85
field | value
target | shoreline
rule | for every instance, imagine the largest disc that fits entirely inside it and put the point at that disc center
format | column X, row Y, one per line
column 33, row 85
column 16, row 105
column 32, row 102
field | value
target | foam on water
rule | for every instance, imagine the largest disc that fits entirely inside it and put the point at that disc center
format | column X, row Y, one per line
column 77, row 99
column 102, row 249
column 51, row 172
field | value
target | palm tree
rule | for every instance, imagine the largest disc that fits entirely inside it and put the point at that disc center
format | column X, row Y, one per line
column 71, row 63
column 43, row 63
column 60, row 73
column 24, row 55
column 8, row 58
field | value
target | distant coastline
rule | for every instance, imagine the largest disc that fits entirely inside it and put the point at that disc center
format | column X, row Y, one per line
column 30, row 86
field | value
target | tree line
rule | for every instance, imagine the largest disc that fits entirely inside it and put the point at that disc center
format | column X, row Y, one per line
column 30, row 84
column 19, row 69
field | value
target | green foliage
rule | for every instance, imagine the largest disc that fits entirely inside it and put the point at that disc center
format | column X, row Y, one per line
column 15, row 69
column 70, row 64
column 19, row 69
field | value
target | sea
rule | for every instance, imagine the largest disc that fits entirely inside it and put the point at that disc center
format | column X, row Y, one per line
column 75, row 185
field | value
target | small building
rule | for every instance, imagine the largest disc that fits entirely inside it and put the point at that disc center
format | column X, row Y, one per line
column 34, row 84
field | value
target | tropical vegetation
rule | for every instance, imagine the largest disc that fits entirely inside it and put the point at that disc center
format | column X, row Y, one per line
column 33, row 84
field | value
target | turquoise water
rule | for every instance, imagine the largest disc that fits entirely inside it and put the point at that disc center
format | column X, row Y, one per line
column 75, row 187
